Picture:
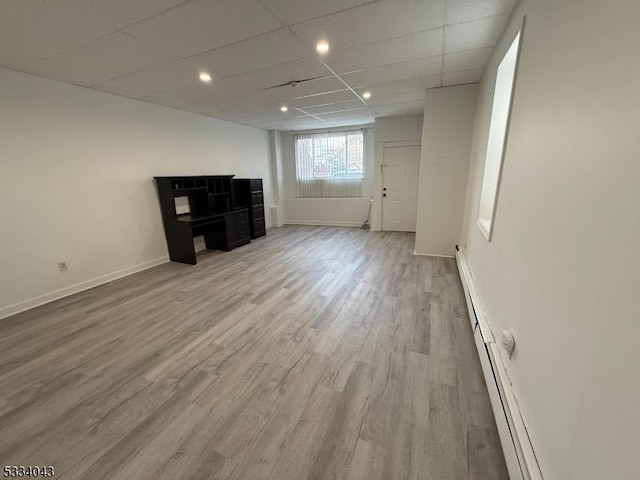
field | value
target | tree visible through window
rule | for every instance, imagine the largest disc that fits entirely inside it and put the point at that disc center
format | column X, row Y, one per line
column 330, row 164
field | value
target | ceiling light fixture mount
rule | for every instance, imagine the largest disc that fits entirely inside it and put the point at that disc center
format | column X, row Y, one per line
column 322, row 47
column 205, row 77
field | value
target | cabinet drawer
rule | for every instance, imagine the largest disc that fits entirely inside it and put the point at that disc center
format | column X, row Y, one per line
column 256, row 184
column 237, row 230
column 241, row 219
column 258, row 228
column 242, row 225
column 257, row 199
column 258, row 212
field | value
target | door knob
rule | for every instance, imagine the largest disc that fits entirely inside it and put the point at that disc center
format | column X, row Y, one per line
column 384, row 194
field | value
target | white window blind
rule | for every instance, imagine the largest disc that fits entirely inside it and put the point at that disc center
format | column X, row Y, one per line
column 330, row 165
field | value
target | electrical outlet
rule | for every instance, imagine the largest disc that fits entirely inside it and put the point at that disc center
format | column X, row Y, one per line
column 508, row 342
column 63, row 266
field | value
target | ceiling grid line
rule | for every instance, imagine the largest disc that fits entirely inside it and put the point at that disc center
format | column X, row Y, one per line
column 155, row 52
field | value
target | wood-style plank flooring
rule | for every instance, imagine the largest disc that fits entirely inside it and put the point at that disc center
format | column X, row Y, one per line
column 312, row 353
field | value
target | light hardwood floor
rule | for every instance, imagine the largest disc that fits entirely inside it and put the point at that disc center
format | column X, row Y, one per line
column 312, row 353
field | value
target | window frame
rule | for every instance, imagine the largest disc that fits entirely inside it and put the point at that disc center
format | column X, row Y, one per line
column 486, row 219
column 330, row 186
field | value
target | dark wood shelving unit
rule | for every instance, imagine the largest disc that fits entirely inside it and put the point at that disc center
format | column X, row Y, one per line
column 209, row 210
column 248, row 193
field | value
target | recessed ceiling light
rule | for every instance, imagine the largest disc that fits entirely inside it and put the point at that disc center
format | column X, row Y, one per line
column 322, row 47
column 284, row 108
column 366, row 95
column 205, row 77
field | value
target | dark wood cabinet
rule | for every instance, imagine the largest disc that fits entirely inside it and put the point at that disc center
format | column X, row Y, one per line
column 248, row 193
column 234, row 234
column 201, row 205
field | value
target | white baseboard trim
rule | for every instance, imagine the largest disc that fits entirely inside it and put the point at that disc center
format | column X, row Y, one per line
column 432, row 255
column 78, row 287
column 516, row 443
column 323, row 223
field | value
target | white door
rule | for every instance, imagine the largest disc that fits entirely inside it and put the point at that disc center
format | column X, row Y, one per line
column 400, row 170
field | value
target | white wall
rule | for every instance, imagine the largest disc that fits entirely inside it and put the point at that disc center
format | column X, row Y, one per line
column 346, row 212
column 561, row 271
column 444, row 167
column 77, row 171
column 399, row 129
column 324, row 211
column 406, row 129
column 277, row 179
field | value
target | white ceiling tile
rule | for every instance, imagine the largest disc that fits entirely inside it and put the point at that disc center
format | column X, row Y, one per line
column 459, row 11
column 335, row 107
column 166, row 98
column 384, row 52
column 392, row 48
column 181, row 73
column 181, row 98
column 469, row 60
column 268, row 110
column 402, row 86
column 324, row 98
column 462, row 78
column 261, row 101
column 118, row 88
column 305, row 69
column 63, row 73
column 363, row 116
column 227, row 99
column 273, row 116
column 398, row 71
column 202, row 25
column 253, row 100
column 39, row 29
column 113, row 56
column 354, row 112
column 118, row 13
column 273, row 48
column 481, row 33
column 373, row 22
column 215, row 95
column 14, row 60
column 313, row 87
column 415, row 96
column 296, row 11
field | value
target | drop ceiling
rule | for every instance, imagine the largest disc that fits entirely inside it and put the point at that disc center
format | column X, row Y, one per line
column 154, row 50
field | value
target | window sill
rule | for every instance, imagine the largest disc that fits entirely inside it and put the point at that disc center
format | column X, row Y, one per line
column 484, row 224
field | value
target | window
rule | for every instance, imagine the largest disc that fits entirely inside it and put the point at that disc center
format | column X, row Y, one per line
column 330, row 165
column 498, row 127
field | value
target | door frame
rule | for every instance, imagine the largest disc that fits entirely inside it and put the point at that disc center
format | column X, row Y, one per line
column 376, row 210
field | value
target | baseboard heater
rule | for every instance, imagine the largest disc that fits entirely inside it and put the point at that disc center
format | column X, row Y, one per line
column 518, row 450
